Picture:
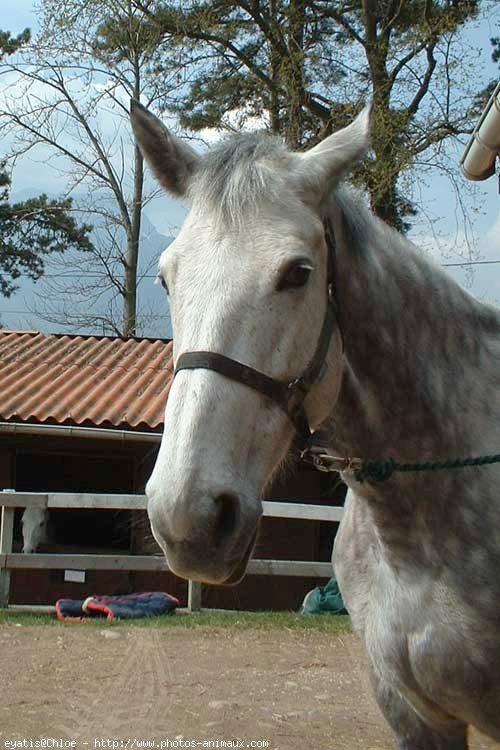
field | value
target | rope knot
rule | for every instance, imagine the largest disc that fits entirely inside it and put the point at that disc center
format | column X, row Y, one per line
column 375, row 471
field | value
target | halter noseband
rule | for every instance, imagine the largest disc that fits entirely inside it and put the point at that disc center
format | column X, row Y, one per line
column 289, row 396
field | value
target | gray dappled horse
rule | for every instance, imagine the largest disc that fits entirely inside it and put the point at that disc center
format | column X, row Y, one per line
column 416, row 377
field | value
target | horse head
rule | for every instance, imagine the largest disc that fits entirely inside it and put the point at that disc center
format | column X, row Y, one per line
column 35, row 525
column 246, row 277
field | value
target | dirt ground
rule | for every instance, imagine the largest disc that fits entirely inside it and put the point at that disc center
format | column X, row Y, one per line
column 296, row 690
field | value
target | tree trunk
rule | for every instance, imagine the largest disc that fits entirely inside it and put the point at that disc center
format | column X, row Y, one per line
column 383, row 199
column 275, row 65
column 132, row 258
column 293, row 71
column 383, row 173
column 134, row 233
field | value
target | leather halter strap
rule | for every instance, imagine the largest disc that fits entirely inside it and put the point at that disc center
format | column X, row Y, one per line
column 290, row 396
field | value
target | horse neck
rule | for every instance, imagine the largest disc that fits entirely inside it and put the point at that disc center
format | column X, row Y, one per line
column 415, row 344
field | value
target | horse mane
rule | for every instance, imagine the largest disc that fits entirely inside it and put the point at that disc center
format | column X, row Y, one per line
column 395, row 263
column 359, row 221
column 240, row 172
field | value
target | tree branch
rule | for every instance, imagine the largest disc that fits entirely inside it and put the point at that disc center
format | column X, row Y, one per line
column 424, row 86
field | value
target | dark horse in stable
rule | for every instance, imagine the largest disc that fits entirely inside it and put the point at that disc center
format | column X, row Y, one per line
column 276, row 261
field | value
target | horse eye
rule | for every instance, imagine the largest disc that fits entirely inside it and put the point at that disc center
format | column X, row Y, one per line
column 296, row 276
column 163, row 282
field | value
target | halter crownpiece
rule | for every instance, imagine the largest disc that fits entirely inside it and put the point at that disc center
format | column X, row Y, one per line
column 290, row 396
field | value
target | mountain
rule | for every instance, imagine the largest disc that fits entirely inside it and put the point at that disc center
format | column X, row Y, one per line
column 31, row 306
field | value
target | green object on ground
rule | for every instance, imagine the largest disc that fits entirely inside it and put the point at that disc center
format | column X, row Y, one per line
column 324, row 599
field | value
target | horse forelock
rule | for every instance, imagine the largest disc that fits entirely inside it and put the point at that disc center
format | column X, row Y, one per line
column 247, row 170
column 239, row 174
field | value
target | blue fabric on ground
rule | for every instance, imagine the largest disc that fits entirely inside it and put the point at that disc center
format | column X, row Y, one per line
column 129, row 606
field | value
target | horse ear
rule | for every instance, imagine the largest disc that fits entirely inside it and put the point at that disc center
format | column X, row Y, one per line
column 332, row 158
column 172, row 161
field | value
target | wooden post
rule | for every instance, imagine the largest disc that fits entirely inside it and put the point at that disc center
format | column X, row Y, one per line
column 6, row 540
column 194, row 596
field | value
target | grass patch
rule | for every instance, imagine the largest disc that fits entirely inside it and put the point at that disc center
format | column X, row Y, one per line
column 26, row 618
column 207, row 619
column 252, row 620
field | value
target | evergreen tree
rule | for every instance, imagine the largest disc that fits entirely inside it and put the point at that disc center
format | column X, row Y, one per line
column 31, row 229
column 307, row 66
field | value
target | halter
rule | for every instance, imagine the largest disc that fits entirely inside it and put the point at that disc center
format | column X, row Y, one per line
column 290, row 396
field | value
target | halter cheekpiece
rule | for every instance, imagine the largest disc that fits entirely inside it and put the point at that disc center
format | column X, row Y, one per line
column 290, row 396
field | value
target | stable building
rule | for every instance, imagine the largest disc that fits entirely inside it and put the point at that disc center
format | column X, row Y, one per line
column 84, row 414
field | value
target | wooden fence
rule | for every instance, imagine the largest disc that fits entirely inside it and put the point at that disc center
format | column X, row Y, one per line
column 9, row 560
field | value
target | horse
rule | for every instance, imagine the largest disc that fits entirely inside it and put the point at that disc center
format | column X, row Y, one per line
column 295, row 309
column 36, row 530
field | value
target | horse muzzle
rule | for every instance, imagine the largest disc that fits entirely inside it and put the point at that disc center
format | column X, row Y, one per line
column 208, row 540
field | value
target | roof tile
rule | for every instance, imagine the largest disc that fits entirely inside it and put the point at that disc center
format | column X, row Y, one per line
column 84, row 380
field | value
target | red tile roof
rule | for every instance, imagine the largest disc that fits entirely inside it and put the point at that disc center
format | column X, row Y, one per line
column 90, row 381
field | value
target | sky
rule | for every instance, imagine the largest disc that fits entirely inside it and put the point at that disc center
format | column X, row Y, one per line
column 440, row 230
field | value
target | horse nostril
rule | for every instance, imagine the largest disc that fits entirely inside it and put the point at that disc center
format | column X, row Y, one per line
column 226, row 516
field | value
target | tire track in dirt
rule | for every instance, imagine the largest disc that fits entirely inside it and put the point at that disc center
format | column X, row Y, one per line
column 116, row 703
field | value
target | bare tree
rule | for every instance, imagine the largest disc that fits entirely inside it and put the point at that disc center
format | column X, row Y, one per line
column 30, row 230
column 68, row 98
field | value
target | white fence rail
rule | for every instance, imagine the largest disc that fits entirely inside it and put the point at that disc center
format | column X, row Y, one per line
column 9, row 560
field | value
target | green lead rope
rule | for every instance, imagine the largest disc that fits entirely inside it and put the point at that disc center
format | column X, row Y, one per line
column 380, row 471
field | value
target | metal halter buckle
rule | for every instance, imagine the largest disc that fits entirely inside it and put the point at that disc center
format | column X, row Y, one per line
column 326, row 462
